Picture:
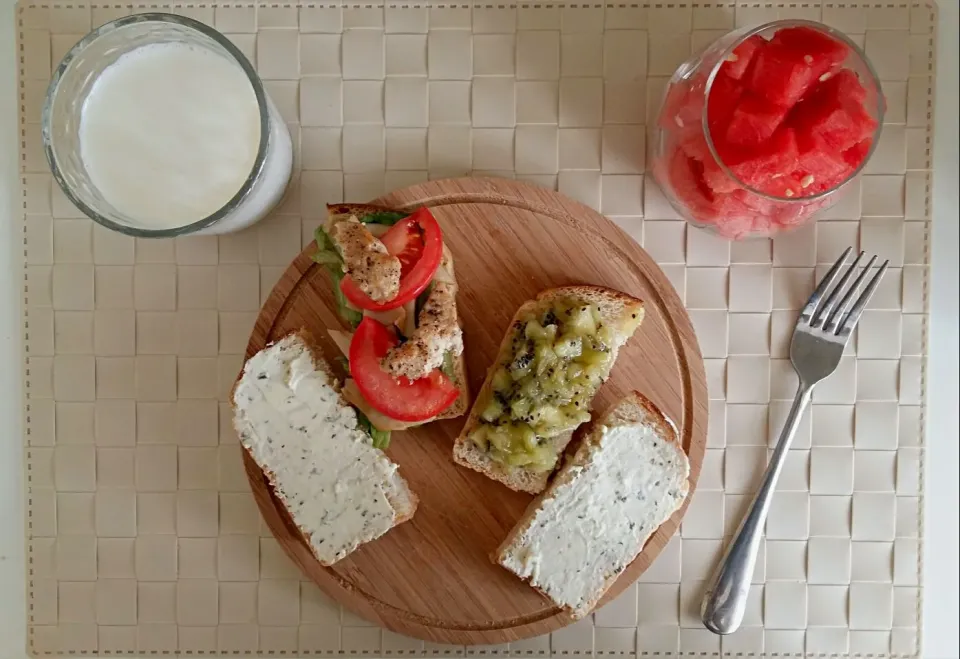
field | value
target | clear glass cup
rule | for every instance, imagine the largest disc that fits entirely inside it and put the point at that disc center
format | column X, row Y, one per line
column 741, row 211
column 76, row 75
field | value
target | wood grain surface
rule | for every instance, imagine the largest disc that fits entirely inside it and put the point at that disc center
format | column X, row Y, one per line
column 431, row 577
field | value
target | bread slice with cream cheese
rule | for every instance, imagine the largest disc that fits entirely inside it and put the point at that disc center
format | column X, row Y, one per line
column 627, row 478
column 339, row 490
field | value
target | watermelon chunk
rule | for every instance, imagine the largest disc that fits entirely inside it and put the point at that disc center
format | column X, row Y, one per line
column 757, row 204
column 756, row 165
column 824, row 49
column 736, row 227
column 834, row 114
column 730, row 205
column 819, row 167
column 695, row 146
column 785, row 186
column 685, row 176
column 673, row 104
column 781, row 76
column 722, row 102
column 793, row 63
column 843, row 84
column 754, row 120
column 683, row 105
column 713, row 175
column 791, row 215
column 857, row 153
column 718, row 180
column 738, row 61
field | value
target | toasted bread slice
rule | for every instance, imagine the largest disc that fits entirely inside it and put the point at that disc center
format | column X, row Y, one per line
column 309, row 447
column 616, row 309
column 628, row 477
column 459, row 407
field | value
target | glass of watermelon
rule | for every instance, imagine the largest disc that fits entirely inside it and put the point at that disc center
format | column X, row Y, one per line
column 763, row 128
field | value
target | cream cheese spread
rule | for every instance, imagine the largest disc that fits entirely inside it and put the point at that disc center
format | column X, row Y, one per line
column 333, row 482
column 593, row 524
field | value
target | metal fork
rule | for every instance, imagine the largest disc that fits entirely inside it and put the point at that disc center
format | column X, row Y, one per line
column 822, row 331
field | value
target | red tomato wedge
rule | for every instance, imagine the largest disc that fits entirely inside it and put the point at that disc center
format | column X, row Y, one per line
column 400, row 398
column 418, row 242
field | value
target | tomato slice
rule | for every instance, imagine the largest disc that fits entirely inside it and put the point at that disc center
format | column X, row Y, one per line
column 418, row 242
column 405, row 240
column 400, row 398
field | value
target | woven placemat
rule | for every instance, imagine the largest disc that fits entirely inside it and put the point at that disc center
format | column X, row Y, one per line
column 142, row 533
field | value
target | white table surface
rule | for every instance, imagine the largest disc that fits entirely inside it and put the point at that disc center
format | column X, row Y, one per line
column 941, row 608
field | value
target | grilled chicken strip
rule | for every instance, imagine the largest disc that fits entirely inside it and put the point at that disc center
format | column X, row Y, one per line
column 437, row 333
column 366, row 260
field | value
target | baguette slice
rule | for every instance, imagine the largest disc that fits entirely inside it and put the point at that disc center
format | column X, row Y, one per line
column 340, row 491
column 616, row 309
column 626, row 479
column 337, row 212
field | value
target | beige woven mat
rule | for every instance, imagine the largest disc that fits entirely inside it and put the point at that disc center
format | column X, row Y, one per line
column 142, row 533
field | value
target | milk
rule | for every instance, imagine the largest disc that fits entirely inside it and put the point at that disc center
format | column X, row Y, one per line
column 169, row 134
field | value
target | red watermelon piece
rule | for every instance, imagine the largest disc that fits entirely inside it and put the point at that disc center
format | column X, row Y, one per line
column 754, row 120
column 738, row 225
column 826, row 51
column 781, row 76
column 819, row 167
column 784, row 186
column 738, row 61
column 722, row 102
column 789, row 215
column 758, row 164
column 843, row 84
column 757, row 204
column 857, row 153
column 793, row 63
column 834, row 114
column 717, row 180
column 685, row 176
column 683, row 105
column 673, row 103
column 731, row 205
column 695, row 146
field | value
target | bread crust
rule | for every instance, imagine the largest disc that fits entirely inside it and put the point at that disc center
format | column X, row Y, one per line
column 633, row 408
column 614, row 305
column 462, row 403
column 404, row 506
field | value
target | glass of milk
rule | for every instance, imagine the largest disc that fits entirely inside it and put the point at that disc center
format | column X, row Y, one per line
column 155, row 125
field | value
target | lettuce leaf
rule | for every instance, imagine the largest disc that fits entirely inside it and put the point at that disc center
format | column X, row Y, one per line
column 380, row 438
column 326, row 253
column 448, row 368
column 348, row 313
column 388, row 218
column 328, row 256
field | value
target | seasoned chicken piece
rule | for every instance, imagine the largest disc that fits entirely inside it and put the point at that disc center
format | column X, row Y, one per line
column 437, row 333
column 366, row 260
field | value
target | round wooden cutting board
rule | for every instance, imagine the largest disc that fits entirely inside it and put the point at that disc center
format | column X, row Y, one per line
column 432, row 577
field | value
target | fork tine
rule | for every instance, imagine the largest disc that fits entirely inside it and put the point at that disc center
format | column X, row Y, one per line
column 824, row 309
column 810, row 308
column 837, row 312
column 852, row 317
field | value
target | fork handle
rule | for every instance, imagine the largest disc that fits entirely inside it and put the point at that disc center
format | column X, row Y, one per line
column 726, row 598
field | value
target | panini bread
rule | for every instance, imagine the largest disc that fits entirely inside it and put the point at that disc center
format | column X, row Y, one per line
column 339, row 490
column 428, row 324
column 557, row 352
column 627, row 478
